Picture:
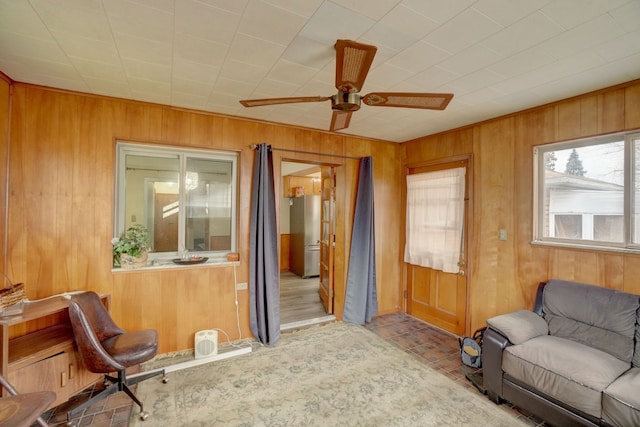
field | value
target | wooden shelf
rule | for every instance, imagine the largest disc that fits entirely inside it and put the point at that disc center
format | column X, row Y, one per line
column 43, row 355
column 40, row 345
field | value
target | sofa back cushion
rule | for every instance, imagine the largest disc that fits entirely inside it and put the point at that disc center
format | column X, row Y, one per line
column 598, row 317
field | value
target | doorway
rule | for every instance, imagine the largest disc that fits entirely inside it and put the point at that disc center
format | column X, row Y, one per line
column 306, row 236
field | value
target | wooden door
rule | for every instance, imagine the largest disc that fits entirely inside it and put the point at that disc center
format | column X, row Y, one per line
column 327, row 236
column 165, row 232
column 434, row 296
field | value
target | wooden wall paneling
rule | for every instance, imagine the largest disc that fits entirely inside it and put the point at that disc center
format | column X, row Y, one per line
column 5, row 120
column 631, row 110
column 611, row 111
column 589, row 121
column 569, row 123
column 631, row 272
column 611, row 270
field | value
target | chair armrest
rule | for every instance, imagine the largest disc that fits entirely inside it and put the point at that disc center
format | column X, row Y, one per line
column 493, row 344
column 519, row 326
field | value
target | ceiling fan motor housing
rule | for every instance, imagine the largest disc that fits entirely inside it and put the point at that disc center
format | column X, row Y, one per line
column 345, row 101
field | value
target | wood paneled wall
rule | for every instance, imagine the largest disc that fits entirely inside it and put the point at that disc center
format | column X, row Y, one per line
column 4, row 152
column 61, row 203
column 503, row 275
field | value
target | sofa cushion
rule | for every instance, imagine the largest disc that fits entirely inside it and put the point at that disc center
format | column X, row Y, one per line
column 568, row 371
column 519, row 326
column 621, row 400
column 595, row 316
column 636, row 353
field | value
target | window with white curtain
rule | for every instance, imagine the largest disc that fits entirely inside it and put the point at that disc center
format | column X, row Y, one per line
column 435, row 219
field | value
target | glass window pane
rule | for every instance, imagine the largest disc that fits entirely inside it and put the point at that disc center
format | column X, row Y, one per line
column 151, row 198
column 584, row 185
column 635, row 194
column 208, row 185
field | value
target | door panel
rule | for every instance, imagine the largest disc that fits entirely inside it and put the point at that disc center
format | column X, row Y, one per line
column 327, row 237
column 432, row 295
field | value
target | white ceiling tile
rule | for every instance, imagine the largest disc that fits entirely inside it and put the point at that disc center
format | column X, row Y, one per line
column 292, row 73
column 583, row 37
column 311, row 53
column 243, row 72
column 628, row 16
column 407, row 21
column 464, row 30
column 152, row 95
column 206, row 22
column 523, row 61
column 99, row 70
column 507, row 12
column 621, row 47
column 191, row 87
column 474, row 82
column 374, row 9
column 146, row 70
column 256, row 51
column 90, row 49
column 258, row 16
column 187, row 70
column 24, row 46
column 304, row 8
column 332, row 22
column 233, row 87
column 386, row 75
column 194, row 49
column 19, row 17
column 382, row 36
column 565, row 14
column 144, row 50
column 79, row 17
column 433, row 78
column 418, row 57
column 528, row 32
column 468, row 60
column 438, row 10
column 233, row 6
column 135, row 19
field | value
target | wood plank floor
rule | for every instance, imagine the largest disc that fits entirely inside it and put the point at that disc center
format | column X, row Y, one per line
column 299, row 299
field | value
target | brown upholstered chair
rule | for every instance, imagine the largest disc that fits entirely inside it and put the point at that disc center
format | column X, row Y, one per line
column 22, row 410
column 105, row 349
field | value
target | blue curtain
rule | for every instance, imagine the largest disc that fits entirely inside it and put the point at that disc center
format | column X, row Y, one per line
column 264, row 272
column 361, row 300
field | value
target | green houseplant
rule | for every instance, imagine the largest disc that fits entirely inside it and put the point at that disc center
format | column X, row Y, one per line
column 131, row 249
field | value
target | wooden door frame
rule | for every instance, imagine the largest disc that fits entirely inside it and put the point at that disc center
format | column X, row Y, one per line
column 469, row 255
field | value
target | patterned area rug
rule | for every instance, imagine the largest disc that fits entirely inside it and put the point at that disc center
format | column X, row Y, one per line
column 335, row 375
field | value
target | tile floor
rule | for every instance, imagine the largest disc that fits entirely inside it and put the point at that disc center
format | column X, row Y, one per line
column 436, row 348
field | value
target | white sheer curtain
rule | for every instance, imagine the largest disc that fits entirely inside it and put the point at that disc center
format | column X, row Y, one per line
column 435, row 215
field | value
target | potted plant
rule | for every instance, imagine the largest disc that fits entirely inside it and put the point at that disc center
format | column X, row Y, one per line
column 131, row 249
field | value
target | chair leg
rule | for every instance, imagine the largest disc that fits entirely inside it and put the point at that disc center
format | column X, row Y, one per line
column 141, row 376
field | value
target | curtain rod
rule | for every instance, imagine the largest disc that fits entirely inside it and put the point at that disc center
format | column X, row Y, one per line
column 254, row 146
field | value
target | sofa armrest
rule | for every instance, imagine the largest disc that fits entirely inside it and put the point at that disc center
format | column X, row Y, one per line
column 519, row 326
column 493, row 344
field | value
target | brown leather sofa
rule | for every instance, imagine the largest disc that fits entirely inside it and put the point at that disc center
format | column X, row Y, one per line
column 572, row 361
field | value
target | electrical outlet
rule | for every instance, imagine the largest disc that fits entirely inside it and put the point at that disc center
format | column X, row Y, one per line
column 242, row 286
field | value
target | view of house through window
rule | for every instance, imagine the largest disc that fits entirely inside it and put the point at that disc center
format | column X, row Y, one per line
column 583, row 193
column 185, row 198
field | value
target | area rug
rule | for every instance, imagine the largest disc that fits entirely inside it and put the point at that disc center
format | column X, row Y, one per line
column 334, row 375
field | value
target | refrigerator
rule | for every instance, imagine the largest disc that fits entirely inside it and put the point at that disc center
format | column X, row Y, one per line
column 304, row 217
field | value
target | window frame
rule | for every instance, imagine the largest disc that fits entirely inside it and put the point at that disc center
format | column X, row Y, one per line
column 627, row 245
column 124, row 148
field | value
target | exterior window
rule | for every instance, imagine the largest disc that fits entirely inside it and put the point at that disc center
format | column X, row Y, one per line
column 185, row 198
column 587, row 192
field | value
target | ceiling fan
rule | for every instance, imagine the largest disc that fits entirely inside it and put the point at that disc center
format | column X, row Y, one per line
column 353, row 61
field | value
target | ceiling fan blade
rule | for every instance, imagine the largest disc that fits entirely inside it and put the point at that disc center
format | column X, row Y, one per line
column 429, row 101
column 340, row 120
column 275, row 101
column 353, row 61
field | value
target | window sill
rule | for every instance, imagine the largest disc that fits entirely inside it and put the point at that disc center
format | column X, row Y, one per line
column 593, row 248
column 167, row 264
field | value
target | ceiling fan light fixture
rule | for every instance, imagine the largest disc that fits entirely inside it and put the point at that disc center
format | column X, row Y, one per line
column 345, row 101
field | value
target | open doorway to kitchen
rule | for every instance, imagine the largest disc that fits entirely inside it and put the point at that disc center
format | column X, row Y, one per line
column 306, row 236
